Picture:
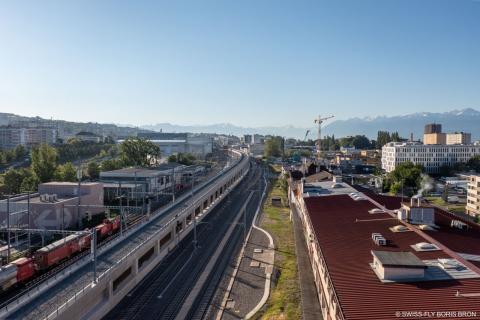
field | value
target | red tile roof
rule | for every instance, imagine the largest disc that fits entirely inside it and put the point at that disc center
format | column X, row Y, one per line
column 343, row 228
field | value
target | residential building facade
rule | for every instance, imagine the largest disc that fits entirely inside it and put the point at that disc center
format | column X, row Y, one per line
column 459, row 138
column 10, row 136
column 432, row 157
column 473, row 196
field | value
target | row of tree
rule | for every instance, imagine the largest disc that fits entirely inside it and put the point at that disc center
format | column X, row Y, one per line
column 330, row 143
column 384, row 137
column 45, row 165
column 16, row 154
column 473, row 164
column 75, row 149
column 183, row 158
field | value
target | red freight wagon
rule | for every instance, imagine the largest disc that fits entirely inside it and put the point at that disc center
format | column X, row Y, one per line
column 104, row 229
column 115, row 224
column 57, row 251
column 84, row 241
column 25, row 269
column 108, row 227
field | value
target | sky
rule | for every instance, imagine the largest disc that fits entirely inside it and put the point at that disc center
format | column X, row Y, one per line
column 250, row 63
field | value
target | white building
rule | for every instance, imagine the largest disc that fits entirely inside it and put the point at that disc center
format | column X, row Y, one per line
column 172, row 143
column 10, row 137
column 473, row 195
column 459, row 138
column 431, row 157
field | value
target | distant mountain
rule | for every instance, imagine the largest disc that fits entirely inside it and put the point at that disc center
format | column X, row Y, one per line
column 467, row 120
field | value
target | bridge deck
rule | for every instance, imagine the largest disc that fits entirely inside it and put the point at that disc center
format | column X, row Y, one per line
column 47, row 302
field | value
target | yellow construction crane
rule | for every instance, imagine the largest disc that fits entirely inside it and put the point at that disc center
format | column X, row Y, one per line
column 319, row 121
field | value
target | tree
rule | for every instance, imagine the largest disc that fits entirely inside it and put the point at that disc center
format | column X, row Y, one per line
column 29, row 184
column 19, row 152
column 66, row 172
column 361, row 142
column 185, row 158
column 13, row 180
column 273, row 148
column 383, row 137
column 474, row 163
column 112, row 164
column 44, row 162
column 139, row 152
column 172, row 158
column 406, row 175
column 93, row 170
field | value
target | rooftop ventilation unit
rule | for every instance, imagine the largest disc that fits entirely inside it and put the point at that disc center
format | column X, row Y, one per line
column 376, row 210
column 399, row 228
column 449, row 264
column 379, row 239
column 425, row 246
column 459, row 224
column 426, row 227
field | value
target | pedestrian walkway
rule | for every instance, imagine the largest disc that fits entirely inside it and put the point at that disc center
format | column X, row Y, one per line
column 249, row 285
column 310, row 305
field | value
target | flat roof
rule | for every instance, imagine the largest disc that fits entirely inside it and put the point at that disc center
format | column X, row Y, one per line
column 398, row 259
column 142, row 172
column 343, row 228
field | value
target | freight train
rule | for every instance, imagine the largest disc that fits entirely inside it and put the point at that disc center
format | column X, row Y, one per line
column 24, row 269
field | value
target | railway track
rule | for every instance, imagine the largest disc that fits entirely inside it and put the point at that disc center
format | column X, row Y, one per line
column 14, row 293
column 164, row 290
column 79, row 279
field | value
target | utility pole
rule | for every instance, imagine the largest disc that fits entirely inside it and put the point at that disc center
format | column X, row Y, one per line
column 79, row 178
column 93, row 245
column 8, row 229
column 245, row 225
column 121, row 208
column 173, row 184
column 28, row 219
column 194, row 216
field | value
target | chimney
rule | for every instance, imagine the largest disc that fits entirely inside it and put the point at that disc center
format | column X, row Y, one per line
column 412, row 201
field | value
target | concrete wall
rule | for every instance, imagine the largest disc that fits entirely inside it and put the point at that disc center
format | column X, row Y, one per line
column 58, row 214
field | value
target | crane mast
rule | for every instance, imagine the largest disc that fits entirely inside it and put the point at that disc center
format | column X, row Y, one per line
column 319, row 122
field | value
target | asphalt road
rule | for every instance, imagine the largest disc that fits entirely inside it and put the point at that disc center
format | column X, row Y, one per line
column 162, row 293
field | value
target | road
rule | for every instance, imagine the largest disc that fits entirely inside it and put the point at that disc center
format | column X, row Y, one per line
column 163, row 293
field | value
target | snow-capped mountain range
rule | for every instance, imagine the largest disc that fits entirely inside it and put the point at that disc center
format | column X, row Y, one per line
column 467, row 120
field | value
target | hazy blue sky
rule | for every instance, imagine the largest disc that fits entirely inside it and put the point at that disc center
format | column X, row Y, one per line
column 245, row 62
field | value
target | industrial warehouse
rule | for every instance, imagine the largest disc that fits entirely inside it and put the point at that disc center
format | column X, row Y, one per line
column 378, row 257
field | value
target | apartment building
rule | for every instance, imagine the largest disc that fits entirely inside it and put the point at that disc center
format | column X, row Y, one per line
column 10, row 136
column 431, row 157
column 459, row 138
column 473, row 195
